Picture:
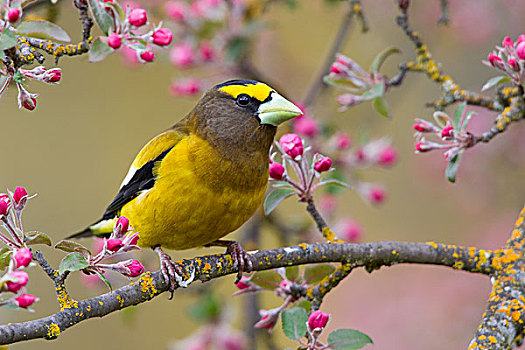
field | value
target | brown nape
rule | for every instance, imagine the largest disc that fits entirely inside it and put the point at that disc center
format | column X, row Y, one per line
column 233, row 131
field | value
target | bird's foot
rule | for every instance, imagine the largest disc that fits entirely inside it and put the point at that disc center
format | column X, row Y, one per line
column 172, row 272
column 240, row 258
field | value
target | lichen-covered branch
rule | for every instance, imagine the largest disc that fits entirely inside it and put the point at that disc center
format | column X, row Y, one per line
column 149, row 285
column 502, row 326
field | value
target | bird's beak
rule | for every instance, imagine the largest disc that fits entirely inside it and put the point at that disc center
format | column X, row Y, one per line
column 277, row 110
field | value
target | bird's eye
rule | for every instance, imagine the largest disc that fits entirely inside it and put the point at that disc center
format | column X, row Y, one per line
column 243, row 100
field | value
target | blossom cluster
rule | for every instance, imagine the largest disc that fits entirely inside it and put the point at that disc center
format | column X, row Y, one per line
column 510, row 58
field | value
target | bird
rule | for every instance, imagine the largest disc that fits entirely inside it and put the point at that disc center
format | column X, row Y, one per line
column 202, row 178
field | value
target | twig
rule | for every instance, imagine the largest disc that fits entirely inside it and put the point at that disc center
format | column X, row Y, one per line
column 321, row 224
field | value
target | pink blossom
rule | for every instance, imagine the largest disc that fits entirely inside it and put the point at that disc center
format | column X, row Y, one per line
column 342, row 141
column 318, row 319
column 162, row 37
column 20, row 193
column 25, row 300
column 323, row 165
column 244, row 283
column 350, row 230
column 135, row 267
column 292, row 145
column 52, row 75
column 276, row 171
column 520, row 50
column 176, row 10
column 513, row 62
column 147, row 56
column 387, row 156
column 13, row 15
column 376, row 194
column 113, row 244
column 4, row 205
column 206, row 52
column 507, row 42
column 122, row 225
column 138, row 17
column 447, row 131
column 306, row 126
column 23, row 257
column 182, row 55
column 494, row 60
column 114, row 41
column 21, row 280
column 186, row 87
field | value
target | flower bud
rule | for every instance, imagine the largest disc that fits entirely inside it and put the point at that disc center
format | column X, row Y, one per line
column 162, row 37
column 269, row 318
column 513, row 62
column 185, row 87
column 4, row 205
column 20, row 194
column 25, row 300
column 336, row 69
column 182, row 55
column 13, row 15
column 138, row 17
column 342, row 141
column 23, row 257
column 292, row 145
column 244, row 283
column 206, row 52
column 318, row 319
column 375, row 194
column 494, row 60
column 26, row 99
column 323, row 165
column 507, row 42
column 21, row 280
column 276, row 171
column 521, row 39
column 387, row 156
column 349, row 230
column 424, row 126
column 121, row 226
column 306, row 126
column 176, row 10
column 520, row 50
column 423, row 147
column 134, row 240
column 147, row 56
column 114, row 41
column 447, row 131
column 113, row 244
column 135, row 267
column 349, row 100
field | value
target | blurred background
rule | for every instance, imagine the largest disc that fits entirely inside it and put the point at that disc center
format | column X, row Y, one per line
column 75, row 148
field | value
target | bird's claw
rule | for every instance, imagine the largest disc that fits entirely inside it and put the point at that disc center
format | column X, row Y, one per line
column 240, row 258
column 172, row 272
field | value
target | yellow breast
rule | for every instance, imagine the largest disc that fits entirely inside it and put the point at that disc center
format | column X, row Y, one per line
column 198, row 197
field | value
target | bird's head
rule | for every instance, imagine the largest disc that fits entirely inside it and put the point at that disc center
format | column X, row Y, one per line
column 242, row 113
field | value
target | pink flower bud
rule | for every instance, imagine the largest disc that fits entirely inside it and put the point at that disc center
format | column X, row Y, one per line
column 520, row 50
column 206, row 52
column 147, row 56
column 114, row 244
column 342, row 141
column 25, row 300
column 244, row 283
column 349, row 100
column 387, row 156
column 138, row 17
column 185, row 87
column 350, row 230
column 323, row 165
column 122, row 225
column 292, row 145
column 494, row 60
column 318, row 319
column 30, row 104
column 4, row 205
column 23, row 257
column 26, row 99
column 447, row 131
column 306, row 126
column 52, row 75
column 521, row 39
column 176, row 10
column 13, row 15
column 513, row 62
column 135, row 267
column 423, row 147
column 424, row 127
column 507, row 42
column 22, row 278
column 20, row 193
column 360, row 156
column 135, row 240
column 114, row 41
column 182, row 55
column 276, row 171
column 376, row 194
column 162, row 37
column 334, row 68
column 268, row 320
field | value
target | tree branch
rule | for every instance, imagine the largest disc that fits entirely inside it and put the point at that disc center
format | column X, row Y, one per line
column 150, row 285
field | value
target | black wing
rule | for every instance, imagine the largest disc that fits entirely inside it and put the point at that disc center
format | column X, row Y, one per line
column 143, row 179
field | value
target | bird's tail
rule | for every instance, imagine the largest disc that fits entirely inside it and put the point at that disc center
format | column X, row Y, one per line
column 102, row 228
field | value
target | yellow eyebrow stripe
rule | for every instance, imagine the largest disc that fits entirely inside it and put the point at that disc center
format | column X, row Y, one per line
column 259, row 91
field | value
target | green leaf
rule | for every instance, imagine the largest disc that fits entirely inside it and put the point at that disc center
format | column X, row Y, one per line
column 315, row 273
column 275, row 198
column 117, row 8
column 73, row 262
column 292, row 273
column 348, row 339
column 294, row 322
column 104, row 279
column 333, row 182
column 377, row 90
column 70, row 246
column 269, row 279
column 381, row 107
column 7, row 40
column 37, row 237
column 495, row 81
column 458, row 114
column 467, row 119
column 5, row 257
column 381, row 58
column 103, row 19
column 99, row 51
column 305, row 304
column 452, row 167
column 207, row 309
column 48, row 29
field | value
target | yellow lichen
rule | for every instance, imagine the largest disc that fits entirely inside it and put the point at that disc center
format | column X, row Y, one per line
column 53, row 331
column 146, row 283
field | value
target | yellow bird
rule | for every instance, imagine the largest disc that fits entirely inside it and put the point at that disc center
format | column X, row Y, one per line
column 202, row 178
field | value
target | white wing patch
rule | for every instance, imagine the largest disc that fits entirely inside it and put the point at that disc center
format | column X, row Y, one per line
column 132, row 170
